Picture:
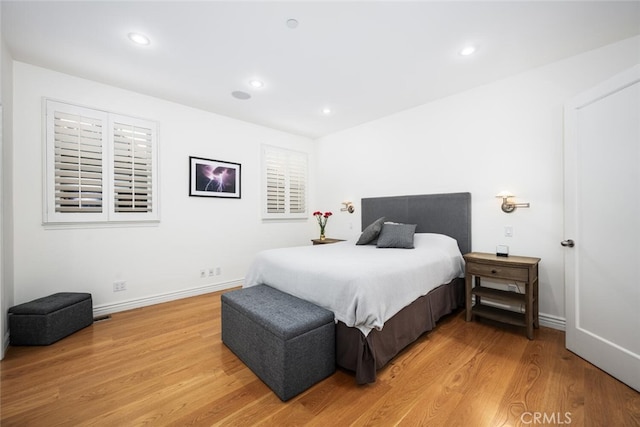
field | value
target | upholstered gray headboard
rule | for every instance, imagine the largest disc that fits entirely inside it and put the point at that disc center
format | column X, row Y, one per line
column 448, row 214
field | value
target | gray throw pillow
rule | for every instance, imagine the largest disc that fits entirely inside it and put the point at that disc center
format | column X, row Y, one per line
column 397, row 236
column 371, row 233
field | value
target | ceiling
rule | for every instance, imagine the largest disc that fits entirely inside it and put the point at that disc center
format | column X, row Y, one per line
column 362, row 59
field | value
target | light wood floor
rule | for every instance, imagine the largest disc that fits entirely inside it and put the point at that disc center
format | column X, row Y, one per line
column 166, row 365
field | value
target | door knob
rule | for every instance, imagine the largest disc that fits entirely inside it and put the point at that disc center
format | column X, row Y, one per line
column 568, row 243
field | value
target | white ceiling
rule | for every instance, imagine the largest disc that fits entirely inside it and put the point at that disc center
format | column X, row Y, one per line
column 363, row 59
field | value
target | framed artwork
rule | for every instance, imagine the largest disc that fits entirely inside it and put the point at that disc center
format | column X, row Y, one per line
column 214, row 178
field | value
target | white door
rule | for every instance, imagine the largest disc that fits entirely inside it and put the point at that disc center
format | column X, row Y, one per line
column 602, row 218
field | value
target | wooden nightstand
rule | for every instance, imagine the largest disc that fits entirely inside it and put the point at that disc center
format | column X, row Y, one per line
column 518, row 269
column 325, row 241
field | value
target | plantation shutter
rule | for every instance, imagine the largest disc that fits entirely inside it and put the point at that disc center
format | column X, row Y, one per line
column 284, row 183
column 78, row 163
column 132, row 168
column 297, row 183
column 276, row 168
column 100, row 167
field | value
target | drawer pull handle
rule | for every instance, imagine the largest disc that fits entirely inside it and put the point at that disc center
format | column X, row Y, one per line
column 494, row 271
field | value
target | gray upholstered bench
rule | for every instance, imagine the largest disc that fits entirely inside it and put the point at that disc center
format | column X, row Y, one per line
column 287, row 342
column 46, row 320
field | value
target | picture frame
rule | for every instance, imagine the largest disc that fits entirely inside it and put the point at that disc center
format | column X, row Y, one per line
column 214, row 178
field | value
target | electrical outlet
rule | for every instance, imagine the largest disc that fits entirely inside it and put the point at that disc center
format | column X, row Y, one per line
column 211, row 272
column 218, row 271
column 119, row 286
column 203, row 274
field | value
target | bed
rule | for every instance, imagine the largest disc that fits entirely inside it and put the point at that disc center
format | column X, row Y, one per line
column 383, row 299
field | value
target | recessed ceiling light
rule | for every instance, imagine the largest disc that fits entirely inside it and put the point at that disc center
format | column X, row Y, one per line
column 467, row 50
column 256, row 83
column 238, row 94
column 326, row 111
column 292, row 23
column 140, row 39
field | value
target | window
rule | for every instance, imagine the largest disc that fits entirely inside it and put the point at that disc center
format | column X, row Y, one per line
column 132, row 167
column 100, row 167
column 284, row 183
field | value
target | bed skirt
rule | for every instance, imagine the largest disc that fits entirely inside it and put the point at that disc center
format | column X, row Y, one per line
column 365, row 355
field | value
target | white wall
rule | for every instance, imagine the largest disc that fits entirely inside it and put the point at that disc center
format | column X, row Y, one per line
column 194, row 233
column 6, row 215
column 503, row 136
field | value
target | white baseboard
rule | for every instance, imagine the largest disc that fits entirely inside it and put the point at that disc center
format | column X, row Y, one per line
column 5, row 345
column 546, row 320
column 553, row 322
column 104, row 309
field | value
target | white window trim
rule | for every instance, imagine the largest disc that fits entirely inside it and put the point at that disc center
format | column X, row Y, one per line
column 287, row 214
column 107, row 216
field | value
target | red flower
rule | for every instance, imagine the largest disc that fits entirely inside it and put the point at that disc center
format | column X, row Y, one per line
column 322, row 219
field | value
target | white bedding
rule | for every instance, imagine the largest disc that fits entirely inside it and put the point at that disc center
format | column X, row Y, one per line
column 362, row 285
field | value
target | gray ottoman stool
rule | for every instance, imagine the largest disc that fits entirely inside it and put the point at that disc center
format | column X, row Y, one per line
column 287, row 342
column 46, row 320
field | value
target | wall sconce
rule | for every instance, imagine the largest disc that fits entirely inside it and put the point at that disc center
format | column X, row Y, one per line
column 508, row 206
column 348, row 207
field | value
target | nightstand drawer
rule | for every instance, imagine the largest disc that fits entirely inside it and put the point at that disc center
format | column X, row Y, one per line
column 499, row 272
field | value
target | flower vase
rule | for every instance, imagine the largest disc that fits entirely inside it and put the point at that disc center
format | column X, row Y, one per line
column 322, row 221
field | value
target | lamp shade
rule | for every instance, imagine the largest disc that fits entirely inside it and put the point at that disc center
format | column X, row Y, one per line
column 504, row 194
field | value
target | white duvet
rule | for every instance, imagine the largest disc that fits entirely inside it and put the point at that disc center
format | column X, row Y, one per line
column 362, row 285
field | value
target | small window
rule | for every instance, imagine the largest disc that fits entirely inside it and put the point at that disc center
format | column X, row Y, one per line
column 284, row 183
column 100, row 167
